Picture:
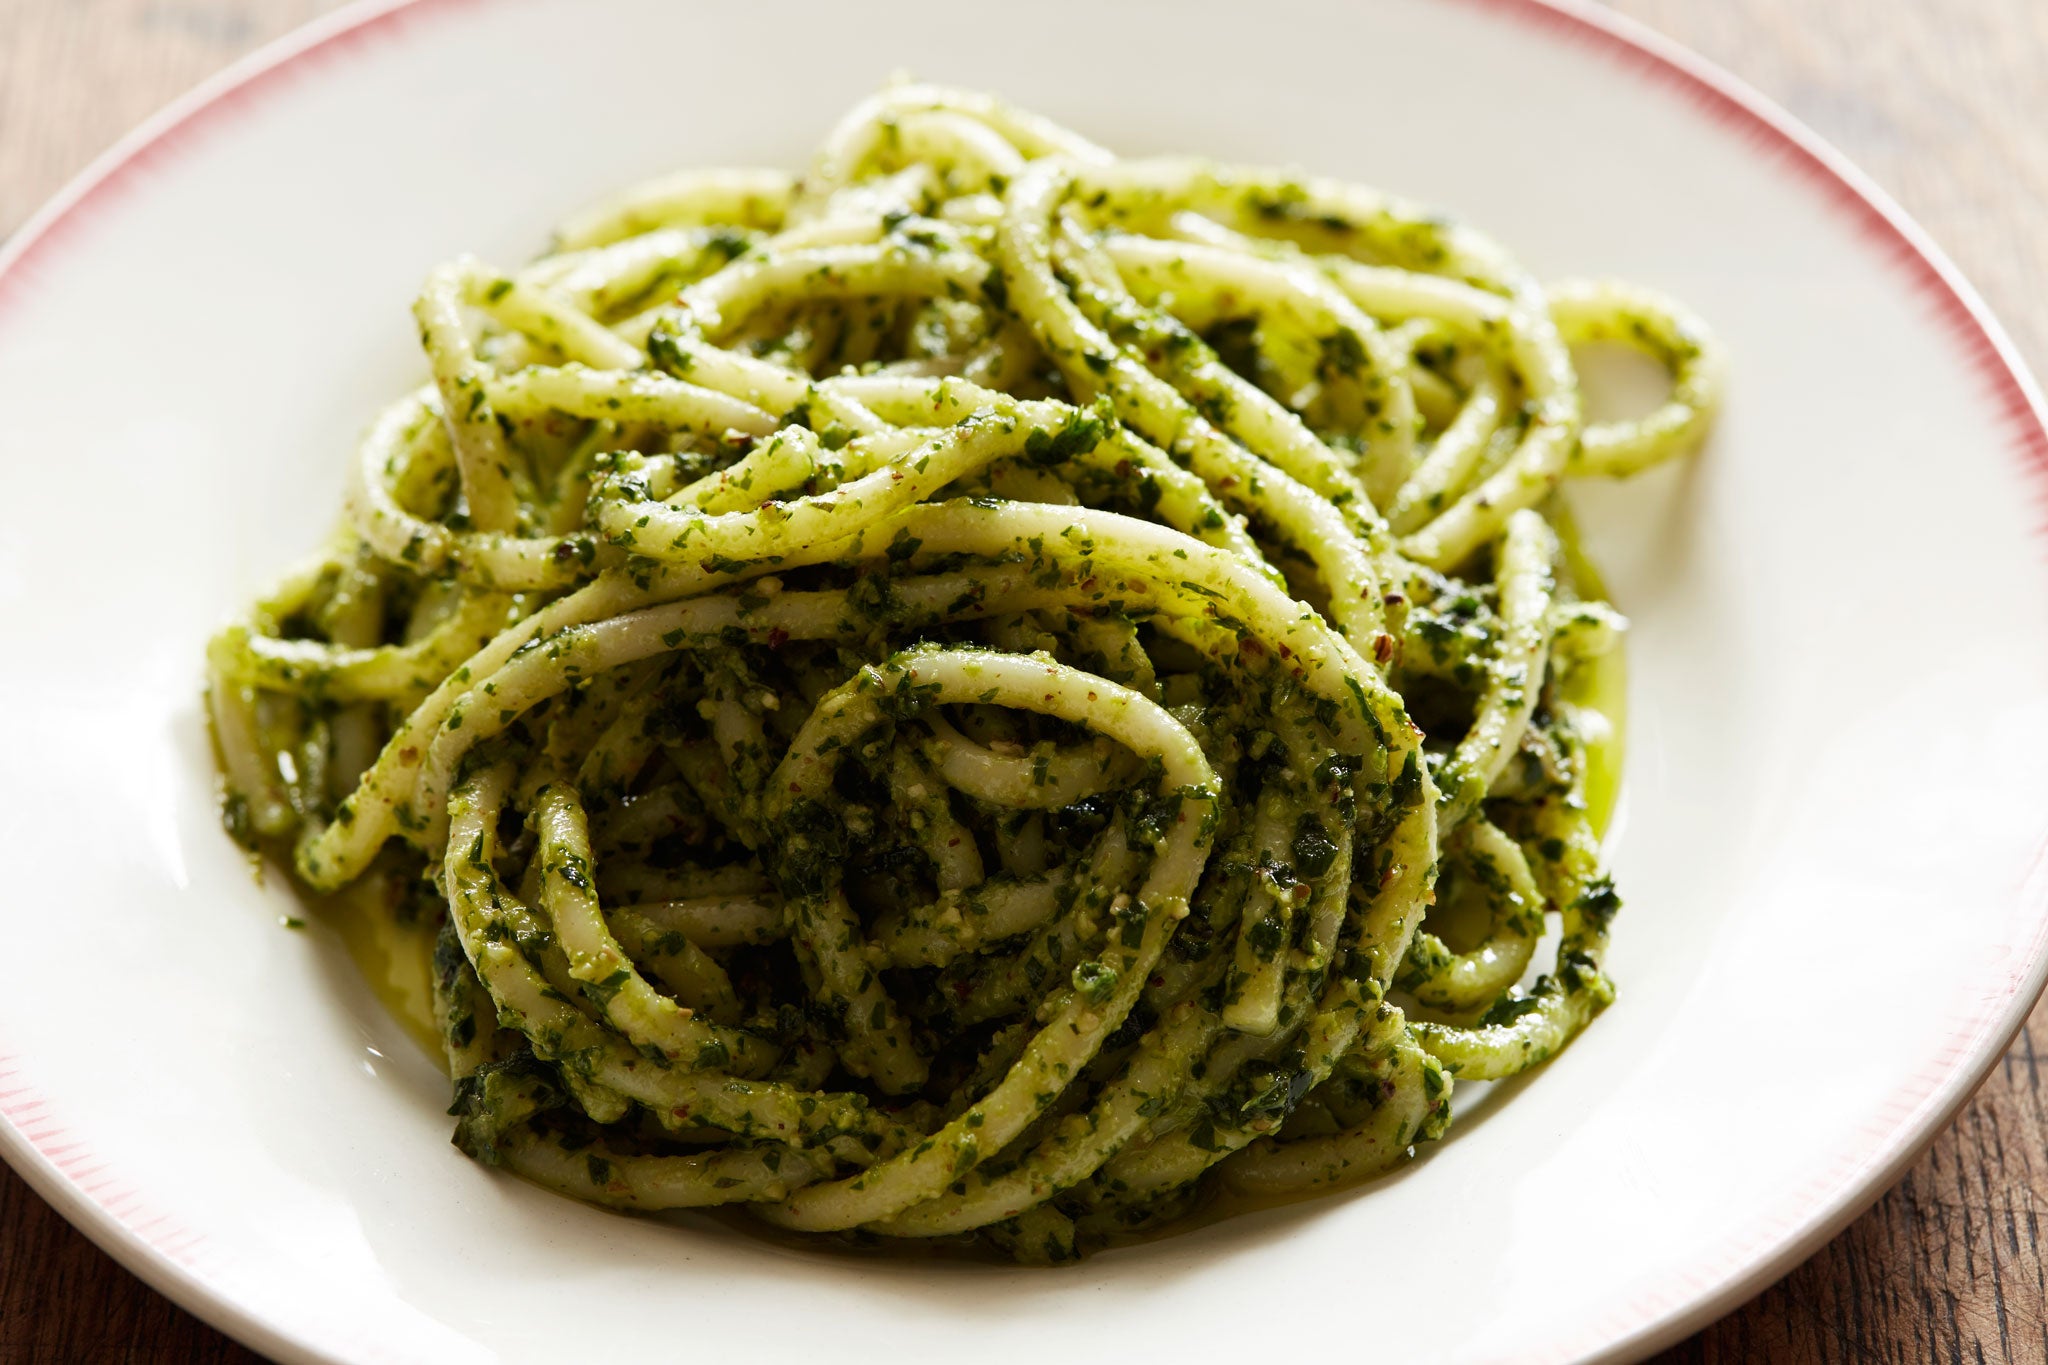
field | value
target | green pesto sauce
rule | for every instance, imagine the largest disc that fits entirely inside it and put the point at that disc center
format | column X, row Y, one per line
column 395, row 956
column 1601, row 687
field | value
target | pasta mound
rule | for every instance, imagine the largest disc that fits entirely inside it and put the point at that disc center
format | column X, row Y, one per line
column 984, row 692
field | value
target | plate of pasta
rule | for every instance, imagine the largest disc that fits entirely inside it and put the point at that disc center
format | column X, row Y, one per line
column 994, row 708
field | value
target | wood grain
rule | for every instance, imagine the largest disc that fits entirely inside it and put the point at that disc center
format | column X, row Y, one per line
column 1945, row 102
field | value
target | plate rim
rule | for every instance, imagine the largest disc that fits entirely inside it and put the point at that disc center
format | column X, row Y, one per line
column 62, row 1171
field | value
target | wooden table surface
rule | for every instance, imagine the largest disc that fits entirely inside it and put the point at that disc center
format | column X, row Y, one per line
column 1945, row 102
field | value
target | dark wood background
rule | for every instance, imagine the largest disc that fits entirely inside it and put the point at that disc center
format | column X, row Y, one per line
column 1945, row 102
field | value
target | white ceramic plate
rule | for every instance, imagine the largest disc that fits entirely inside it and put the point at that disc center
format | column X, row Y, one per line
column 1840, row 686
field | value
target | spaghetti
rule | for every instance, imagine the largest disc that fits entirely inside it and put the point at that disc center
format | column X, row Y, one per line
column 980, row 693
